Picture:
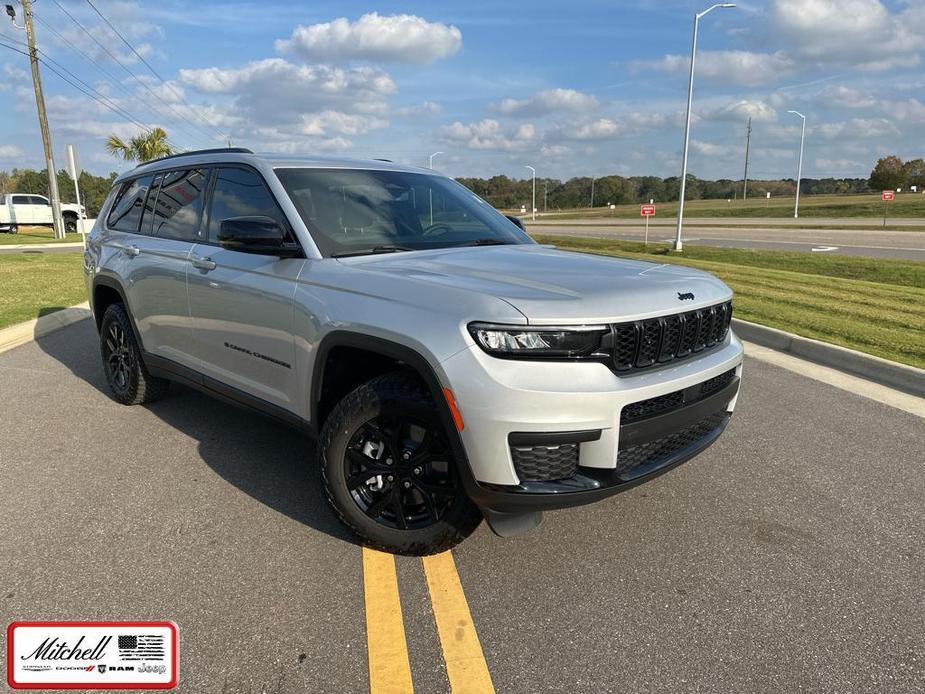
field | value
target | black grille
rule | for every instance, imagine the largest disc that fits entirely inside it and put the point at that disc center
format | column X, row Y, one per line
column 647, row 408
column 642, row 344
column 545, row 463
column 717, row 382
column 661, row 449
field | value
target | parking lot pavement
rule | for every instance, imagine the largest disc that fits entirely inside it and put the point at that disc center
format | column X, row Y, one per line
column 788, row 557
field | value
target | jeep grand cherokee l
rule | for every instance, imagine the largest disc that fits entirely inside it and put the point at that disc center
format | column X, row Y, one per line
column 451, row 368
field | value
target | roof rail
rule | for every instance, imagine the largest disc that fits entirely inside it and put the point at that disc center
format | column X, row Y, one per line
column 216, row 150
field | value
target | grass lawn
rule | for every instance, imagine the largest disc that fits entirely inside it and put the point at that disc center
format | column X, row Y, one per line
column 868, row 205
column 32, row 234
column 35, row 284
column 868, row 304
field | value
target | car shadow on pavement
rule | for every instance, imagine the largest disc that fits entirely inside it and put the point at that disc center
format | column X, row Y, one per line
column 273, row 463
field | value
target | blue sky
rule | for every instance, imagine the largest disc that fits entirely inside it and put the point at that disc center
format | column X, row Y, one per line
column 580, row 88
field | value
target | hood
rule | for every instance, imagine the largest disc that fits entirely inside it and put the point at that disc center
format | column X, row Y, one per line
column 548, row 285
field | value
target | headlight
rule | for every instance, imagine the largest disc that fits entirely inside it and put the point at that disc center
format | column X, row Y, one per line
column 538, row 342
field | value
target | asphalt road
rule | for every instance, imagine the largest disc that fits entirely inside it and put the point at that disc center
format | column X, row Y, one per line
column 907, row 245
column 788, row 557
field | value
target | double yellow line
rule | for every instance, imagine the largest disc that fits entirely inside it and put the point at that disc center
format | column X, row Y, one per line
column 389, row 667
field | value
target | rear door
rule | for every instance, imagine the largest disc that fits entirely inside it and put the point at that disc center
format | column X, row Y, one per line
column 40, row 210
column 159, row 219
column 241, row 303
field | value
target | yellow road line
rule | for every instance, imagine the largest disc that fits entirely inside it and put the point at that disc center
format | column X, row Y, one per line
column 465, row 663
column 389, row 668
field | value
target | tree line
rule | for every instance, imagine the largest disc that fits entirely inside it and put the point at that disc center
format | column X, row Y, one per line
column 504, row 192
column 892, row 172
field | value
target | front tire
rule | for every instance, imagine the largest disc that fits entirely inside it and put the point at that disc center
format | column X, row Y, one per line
column 14, row 228
column 389, row 470
column 128, row 379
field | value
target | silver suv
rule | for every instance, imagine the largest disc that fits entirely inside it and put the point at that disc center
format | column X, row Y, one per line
column 451, row 368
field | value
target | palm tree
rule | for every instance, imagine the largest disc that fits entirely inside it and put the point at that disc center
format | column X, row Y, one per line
column 144, row 147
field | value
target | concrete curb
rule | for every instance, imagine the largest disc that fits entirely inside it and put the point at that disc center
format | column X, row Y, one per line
column 21, row 333
column 889, row 373
column 40, row 246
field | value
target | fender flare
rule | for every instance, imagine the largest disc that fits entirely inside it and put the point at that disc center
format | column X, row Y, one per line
column 406, row 355
column 112, row 283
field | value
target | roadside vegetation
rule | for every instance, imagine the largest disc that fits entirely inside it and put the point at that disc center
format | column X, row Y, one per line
column 35, row 234
column 869, row 304
column 38, row 283
column 811, row 206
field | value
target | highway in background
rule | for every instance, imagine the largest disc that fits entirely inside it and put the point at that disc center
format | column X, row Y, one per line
column 748, row 233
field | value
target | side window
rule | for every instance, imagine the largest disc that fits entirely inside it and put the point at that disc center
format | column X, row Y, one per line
column 36, row 200
column 21, row 200
column 178, row 210
column 240, row 193
column 126, row 212
column 147, row 215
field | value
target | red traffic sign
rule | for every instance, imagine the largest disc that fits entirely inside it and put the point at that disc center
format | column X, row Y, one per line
column 886, row 195
column 647, row 210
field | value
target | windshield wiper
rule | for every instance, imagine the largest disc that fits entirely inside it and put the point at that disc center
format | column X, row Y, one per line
column 373, row 250
column 486, row 242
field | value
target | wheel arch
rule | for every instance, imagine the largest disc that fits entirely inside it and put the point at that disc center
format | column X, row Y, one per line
column 385, row 353
column 106, row 291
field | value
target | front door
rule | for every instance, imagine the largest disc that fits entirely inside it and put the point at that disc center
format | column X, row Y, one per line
column 241, row 303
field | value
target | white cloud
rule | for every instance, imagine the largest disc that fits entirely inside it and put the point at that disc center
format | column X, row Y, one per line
column 847, row 97
column 548, row 101
column 424, row 108
column 856, row 128
column 489, row 134
column 710, row 149
column 908, row 111
column 11, row 152
column 756, row 109
column 400, row 38
column 836, row 166
column 600, row 129
column 855, row 33
column 732, row 67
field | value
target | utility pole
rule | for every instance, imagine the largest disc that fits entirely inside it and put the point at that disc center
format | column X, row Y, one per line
column 748, row 139
column 43, row 122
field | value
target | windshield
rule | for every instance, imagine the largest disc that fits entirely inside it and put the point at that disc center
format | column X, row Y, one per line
column 352, row 212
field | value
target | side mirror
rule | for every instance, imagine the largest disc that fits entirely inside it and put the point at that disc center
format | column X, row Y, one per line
column 516, row 221
column 257, row 234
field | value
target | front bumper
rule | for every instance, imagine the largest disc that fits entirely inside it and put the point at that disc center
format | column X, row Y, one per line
column 506, row 402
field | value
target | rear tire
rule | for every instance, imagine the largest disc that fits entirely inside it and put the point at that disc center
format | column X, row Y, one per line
column 128, row 379
column 389, row 471
column 70, row 224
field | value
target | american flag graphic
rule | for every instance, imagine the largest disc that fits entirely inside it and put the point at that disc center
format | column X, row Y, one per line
column 141, row 647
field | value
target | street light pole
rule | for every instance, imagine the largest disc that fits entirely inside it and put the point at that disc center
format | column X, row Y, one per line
column 687, row 126
column 43, row 117
column 796, row 208
column 430, row 190
column 533, row 206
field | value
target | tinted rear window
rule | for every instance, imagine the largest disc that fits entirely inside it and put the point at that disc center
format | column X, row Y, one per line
column 178, row 210
column 126, row 212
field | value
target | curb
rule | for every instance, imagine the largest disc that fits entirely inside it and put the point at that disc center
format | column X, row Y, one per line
column 21, row 333
column 908, row 379
column 40, row 246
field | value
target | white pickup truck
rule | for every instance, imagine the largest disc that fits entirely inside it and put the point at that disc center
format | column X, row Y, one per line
column 25, row 209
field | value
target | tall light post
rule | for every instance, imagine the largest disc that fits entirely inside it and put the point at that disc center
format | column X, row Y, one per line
column 430, row 190
column 533, row 206
column 687, row 126
column 796, row 208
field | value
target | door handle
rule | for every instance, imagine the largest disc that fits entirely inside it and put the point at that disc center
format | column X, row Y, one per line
column 203, row 263
column 132, row 251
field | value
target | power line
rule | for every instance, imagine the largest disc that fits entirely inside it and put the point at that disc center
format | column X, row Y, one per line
column 129, row 72
column 108, row 75
column 145, row 62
